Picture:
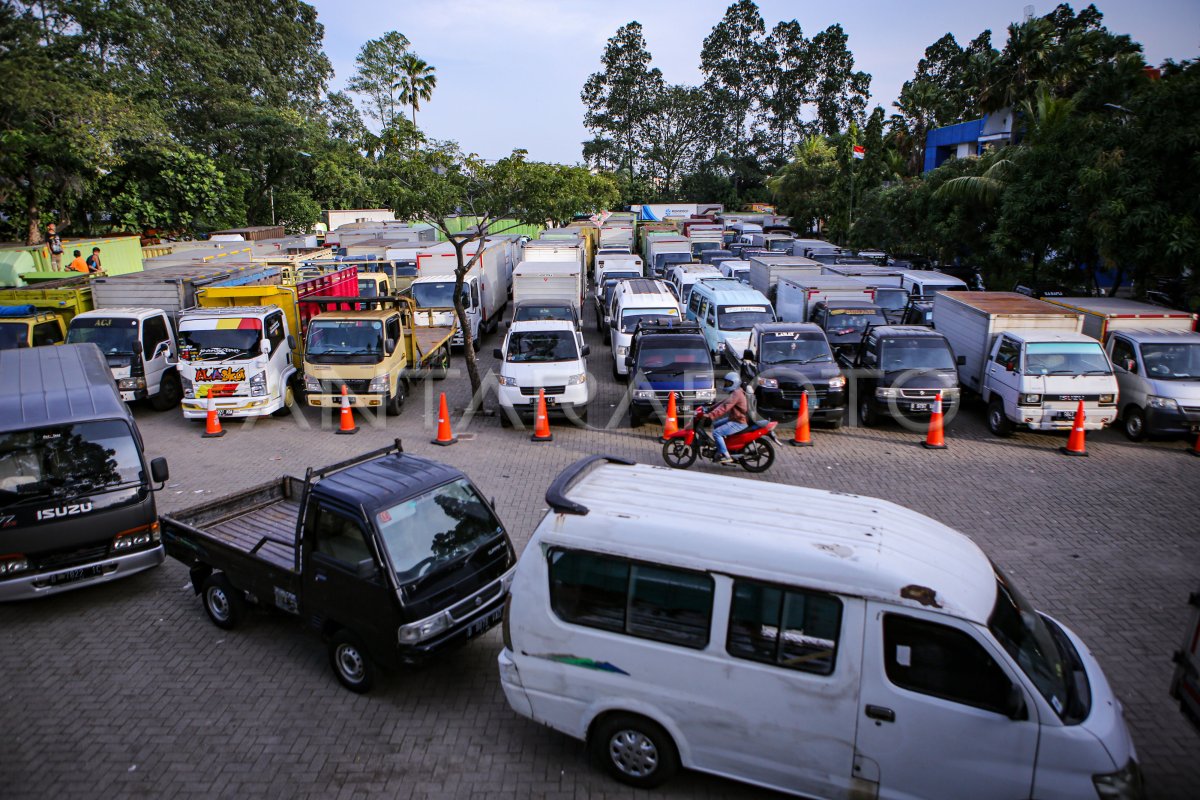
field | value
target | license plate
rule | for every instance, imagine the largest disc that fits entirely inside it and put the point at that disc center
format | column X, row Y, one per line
column 77, row 574
column 484, row 623
column 550, row 401
column 224, row 412
column 351, row 399
column 814, row 402
column 1061, row 415
column 919, row 406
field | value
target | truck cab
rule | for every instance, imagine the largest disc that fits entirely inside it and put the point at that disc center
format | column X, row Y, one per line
column 1158, row 379
column 844, row 322
column 374, row 284
column 665, row 358
column 26, row 326
column 901, row 370
column 141, row 348
column 783, row 359
column 436, row 293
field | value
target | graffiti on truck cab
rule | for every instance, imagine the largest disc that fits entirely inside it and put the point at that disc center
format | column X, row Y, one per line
column 221, row 374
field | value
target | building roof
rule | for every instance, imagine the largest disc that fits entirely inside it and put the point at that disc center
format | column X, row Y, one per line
column 56, row 386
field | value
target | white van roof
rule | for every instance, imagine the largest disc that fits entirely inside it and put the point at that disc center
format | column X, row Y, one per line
column 831, row 541
column 644, row 292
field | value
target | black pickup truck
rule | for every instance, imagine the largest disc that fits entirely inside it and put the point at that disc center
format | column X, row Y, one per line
column 388, row 556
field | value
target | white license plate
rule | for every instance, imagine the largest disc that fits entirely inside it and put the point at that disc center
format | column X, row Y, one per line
column 484, row 623
column 224, row 412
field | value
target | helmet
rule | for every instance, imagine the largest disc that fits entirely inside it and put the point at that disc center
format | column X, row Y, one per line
column 732, row 379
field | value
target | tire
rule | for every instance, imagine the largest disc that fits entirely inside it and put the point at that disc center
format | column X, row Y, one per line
column 289, row 402
column 618, row 377
column 867, row 416
column 581, row 414
column 396, row 402
column 599, row 322
column 170, row 392
column 634, row 750
column 635, row 419
column 440, row 366
column 350, row 662
column 225, row 605
column 997, row 421
column 1133, row 424
column 678, row 454
column 834, row 424
column 758, row 456
column 505, row 420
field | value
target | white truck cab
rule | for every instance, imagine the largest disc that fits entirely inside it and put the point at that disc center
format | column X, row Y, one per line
column 837, row 647
column 437, row 292
column 548, row 356
column 141, row 349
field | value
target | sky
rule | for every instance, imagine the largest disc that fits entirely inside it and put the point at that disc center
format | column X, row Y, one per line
column 510, row 72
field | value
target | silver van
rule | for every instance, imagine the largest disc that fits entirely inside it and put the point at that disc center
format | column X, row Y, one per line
column 1158, row 378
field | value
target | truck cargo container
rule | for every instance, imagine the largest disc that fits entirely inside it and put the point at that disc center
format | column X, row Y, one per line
column 1101, row 315
column 485, row 286
column 796, row 295
column 549, row 280
column 766, row 269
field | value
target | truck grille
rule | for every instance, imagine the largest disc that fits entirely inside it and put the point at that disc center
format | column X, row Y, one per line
column 69, row 558
column 358, row 386
column 531, row 391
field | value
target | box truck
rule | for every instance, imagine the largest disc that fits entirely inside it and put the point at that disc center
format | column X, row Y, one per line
column 796, row 295
column 548, row 280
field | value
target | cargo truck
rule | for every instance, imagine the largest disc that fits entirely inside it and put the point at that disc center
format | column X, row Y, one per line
column 38, row 315
column 1027, row 360
column 795, row 296
column 549, row 280
column 665, row 251
column 485, row 287
column 765, row 271
column 389, row 557
column 1102, row 315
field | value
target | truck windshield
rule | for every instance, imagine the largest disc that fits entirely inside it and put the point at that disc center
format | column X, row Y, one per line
column 673, row 354
column 534, row 347
column 919, row 352
column 426, row 533
column 67, row 461
column 620, row 276
column 795, row 349
column 742, row 318
column 368, row 288
column 1172, row 362
column 1066, row 358
column 438, row 295
column 780, row 245
column 1023, row 633
column 345, row 341
column 631, row 317
column 205, row 343
column 113, row 335
column 13, row 335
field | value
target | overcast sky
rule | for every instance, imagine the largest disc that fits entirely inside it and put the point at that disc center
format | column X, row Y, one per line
column 510, row 72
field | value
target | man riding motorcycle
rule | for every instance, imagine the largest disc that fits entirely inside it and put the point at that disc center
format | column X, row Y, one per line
column 729, row 417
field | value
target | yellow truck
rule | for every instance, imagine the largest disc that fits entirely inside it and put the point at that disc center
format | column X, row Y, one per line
column 33, row 316
column 376, row 352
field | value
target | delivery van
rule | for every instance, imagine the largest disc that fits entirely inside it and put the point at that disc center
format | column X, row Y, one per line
column 811, row 642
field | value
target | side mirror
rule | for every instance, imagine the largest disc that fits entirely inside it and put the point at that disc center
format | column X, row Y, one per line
column 498, row 353
column 629, row 362
column 748, row 355
column 961, row 361
column 160, row 349
column 159, row 472
column 585, row 351
column 390, row 345
column 264, row 347
column 367, row 570
column 612, row 323
column 1014, row 706
column 291, row 340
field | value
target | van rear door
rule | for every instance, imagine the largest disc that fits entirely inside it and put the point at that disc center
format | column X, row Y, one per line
column 934, row 716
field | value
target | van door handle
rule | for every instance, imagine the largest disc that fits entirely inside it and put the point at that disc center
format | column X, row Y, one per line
column 320, row 577
column 880, row 713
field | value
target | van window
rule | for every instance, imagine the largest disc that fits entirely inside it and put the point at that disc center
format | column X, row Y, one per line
column 154, row 331
column 1123, row 355
column 710, row 318
column 810, row 623
column 647, row 601
column 694, row 306
column 944, row 662
column 338, row 537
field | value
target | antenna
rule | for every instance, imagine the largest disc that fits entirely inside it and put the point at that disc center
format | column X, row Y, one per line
column 1028, row 13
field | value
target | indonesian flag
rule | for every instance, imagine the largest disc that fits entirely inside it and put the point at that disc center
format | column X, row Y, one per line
column 860, row 151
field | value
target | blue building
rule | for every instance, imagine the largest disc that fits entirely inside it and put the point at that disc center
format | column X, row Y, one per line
column 968, row 138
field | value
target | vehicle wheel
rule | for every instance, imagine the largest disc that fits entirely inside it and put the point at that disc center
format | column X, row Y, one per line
column 678, row 454
column 997, row 421
column 617, row 376
column 441, row 363
column 505, row 419
column 170, row 392
column 350, row 662
column 866, row 413
column 581, row 413
column 834, row 424
column 396, row 401
column 1134, row 424
column 758, row 456
column 225, row 604
column 289, row 402
column 634, row 750
column 635, row 419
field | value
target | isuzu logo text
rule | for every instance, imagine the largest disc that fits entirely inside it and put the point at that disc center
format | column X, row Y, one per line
column 64, row 511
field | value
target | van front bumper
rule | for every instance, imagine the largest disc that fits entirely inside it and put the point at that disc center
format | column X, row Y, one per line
column 1169, row 422
column 55, row 581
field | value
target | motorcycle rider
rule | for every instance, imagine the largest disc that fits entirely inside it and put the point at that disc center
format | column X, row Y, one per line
column 729, row 417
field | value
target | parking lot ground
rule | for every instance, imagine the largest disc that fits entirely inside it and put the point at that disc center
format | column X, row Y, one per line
column 127, row 690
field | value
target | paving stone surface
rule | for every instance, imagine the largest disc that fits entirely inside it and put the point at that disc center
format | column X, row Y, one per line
column 127, row 690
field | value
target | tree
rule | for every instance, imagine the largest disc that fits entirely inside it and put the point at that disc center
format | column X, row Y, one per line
column 804, row 188
column 731, row 60
column 670, row 133
column 379, row 75
column 617, row 98
column 436, row 181
column 417, row 82
column 787, row 84
column 839, row 92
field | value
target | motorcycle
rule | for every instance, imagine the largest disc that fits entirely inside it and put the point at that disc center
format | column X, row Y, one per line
column 750, row 448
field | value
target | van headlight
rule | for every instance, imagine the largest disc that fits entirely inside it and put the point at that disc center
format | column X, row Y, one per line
column 768, row 383
column 575, row 380
column 721, row 346
column 622, row 350
column 1155, row 401
column 11, row 565
column 1108, row 399
column 508, row 380
column 838, row 382
column 258, row 384
column 1029, row 400
column 887, row 394
column 1125, row 784
column 643, row 394
column 380, row 384
column 312, row 385
column 420, row 631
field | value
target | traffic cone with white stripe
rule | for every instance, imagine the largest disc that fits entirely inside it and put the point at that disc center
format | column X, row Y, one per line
column 444, row 437
column 541, row 423
column 1075, row 443
column 802, row 437
column 212, row 423
column 1196, row 447
column 346, row 422
column 936, row 438
column 672, row 424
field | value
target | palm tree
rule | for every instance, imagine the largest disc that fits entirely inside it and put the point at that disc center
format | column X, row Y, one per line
column 416, row 83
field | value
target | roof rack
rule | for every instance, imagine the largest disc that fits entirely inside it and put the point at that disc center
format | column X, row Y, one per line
column 556, row 495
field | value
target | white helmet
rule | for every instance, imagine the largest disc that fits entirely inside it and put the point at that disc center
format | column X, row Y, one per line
column 732, row 379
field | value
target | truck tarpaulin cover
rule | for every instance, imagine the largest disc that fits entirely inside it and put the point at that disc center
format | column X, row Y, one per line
column 17, row 311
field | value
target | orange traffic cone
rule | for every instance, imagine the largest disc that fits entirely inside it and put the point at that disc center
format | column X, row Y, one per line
column 802, row 438
column 1075, row 442
column 1196, row 447
column 935, row 439
column 541, row 423
column 212, row 424
column 672, row 423
column 346, row 422
column 444, row 437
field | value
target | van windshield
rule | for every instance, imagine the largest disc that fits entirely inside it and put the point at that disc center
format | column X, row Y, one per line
column 891, row 298
column 535, row 347
column 115, row 336
column 673, row 354
column 66, row 461
column 795, row 348
column 1066, row 358
column 631, row 317
column 918, row 352
column 742, row 318
column 1172, row 362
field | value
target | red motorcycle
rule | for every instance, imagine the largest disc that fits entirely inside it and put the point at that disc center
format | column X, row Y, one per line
column 750, row 448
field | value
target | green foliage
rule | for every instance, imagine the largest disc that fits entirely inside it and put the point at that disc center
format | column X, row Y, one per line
column 617, row 98
column 380, row 70
column 731, row 60
column 803, row 189
column 168, row 188
column 417, row 82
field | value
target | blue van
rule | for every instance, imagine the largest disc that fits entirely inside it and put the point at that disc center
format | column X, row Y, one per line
column 726, row 310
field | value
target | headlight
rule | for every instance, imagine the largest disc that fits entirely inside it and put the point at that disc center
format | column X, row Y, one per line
column 575, row 380
column 1029, row 400
column 1125, row 784
column 622, row 351
column 768, row 383
column 1165, row 403
column 837, row 383
column 886, row 394
column 643, row 394
column 380, row 384
column 131, row 384
column 506, row 380
column 1108, row 399
column 312, row 385
column 11, row 565
column 258, row 384
column 189, row 389
column 419, row 631
column 135, row 537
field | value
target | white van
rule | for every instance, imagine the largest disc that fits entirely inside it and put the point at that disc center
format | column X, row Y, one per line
column 927, row 283
column 547, row 355
column 682, row 276
column 807, row 641
column 633, row 301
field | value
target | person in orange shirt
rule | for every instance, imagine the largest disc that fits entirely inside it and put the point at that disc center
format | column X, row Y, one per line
column 79, row 265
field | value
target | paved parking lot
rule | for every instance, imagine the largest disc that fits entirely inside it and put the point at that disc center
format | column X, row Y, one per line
column 128, row 690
